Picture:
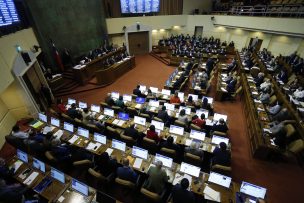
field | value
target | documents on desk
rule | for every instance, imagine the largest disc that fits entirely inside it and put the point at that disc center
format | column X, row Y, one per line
column 137, row 163
column 100, row 117
column 16, row 165
column 257, row 101
column 255, row 93
column 138, row 106
column 209, row 122
column 48, row 129
column 121, row 122
column 178, row 177
column 37, row 124
column 93, row 146
column 188, row 142
column 79, row 66
column 223, row 89
column 58, row 134
column 115, row 122
column 31, row 178
column 109, row 151
column 211, row 194
column 73, row 139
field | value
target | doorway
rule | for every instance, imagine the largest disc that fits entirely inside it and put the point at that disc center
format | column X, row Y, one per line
column 198, row 31
column 255, row 44
column 138, row 42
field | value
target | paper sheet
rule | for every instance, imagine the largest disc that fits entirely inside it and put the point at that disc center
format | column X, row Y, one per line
column 60, row 199
column 58, row 134
column 178, row 177
column 121, row 122
column 212, row 148
column 17, row 165
column 137, row 163
column 212, row 194
column 137, row 106
column 47, row 129
column 73, row 139
column 109, row 151
column 209, row 122
column 223, row 89
column 174, row 137
column 31, row 178
column 100, row 117
column 37, row 124
column 115, row 122
column 188, row 142
column 93, row 146
column 257, row 101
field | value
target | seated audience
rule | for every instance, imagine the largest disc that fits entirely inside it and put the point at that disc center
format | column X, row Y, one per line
column 152, row 134
column 73, row 112
column 125, row 172
column 199, row 122
column 207, row 106
column 220, row 126
column 109, row 100
column 137, row 91
column 11, row 193
column 119, row 102
column 221, row 155
column 180, row 193
column 132, row 132
column 6, row 173
column 163, row 114
column 61, row 106
column 105, row 164
column 183, row 117
column 16, row 132
column 175, row 99
column 194, row 149
column 169, row 143
column 157, row 178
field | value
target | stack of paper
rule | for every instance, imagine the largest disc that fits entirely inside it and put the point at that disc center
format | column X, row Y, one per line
column 31, row 178
column 137, row 163
column 188, row 142
column 109, row 151
column 93, row 146
column 58, row 134
column 120, row 123
column 47, row 129
column 211, row 194
column 73, row 139
column 115, row 122
column 37, row 124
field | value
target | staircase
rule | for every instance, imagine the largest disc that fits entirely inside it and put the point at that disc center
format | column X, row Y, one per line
column 160, row 58
column 67, row 85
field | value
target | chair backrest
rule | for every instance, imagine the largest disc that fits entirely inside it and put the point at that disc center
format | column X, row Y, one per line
column 168, row 152
column 150, row 145
column 103, row 104
column 157, row 119
column 179, row 123
column 151, row 195
column 296, row 146
column 113, row 133
column 193, row 159
column 147, row 116
column 195, row 127
column 131, row 111
column 226, row 170
column 53, row 112
column 67, row 118
column 290, row 130
column 125, row 183
column 272, row 100
column 128, row 140
column 50, row 156
column 96, row 174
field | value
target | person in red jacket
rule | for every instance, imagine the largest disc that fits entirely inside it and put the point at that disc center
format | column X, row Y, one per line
column 152, row 134
column 61, row 106
column 200, row 122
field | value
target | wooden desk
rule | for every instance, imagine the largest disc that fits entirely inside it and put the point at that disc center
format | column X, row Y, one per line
column 109, row 75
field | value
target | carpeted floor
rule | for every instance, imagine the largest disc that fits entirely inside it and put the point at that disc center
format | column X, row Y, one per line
column 284, row 181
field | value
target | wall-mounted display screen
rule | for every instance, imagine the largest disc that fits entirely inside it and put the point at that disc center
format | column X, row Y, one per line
column 139, row 6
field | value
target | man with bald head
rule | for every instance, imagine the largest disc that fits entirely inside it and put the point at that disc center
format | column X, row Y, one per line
column 157, row 178
column 126, row 172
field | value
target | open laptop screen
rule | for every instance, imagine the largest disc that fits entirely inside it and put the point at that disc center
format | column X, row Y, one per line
column 158, row 125
column 127, row 98
column 80, row 187
column 115, row 95
column 217, row 117
column 22, row 156
column 167, row 161
column 116, row 144
column 71, row 101
column 83, row 105
column 42, row 117
column 187, row 110
column 181, row 96
column 170, row 107
column 140, row 100
column 100, row 138
column 219, row 179
column 198, row 135
column 139, row 120
column 253, row 190
column 190, row 169
column 38, row 165
column 210, row 99
column 108, row 112
column 142, row 88
column 139, row 152
column 83, row 132
column 68, row 126
column 58, row 175
column 95, row 108
column 55, row 122
column 123, row 116
column 202, row 111
column 194, row 96
column 218, row 139
column 166, row 92
column 176, row 130
column 154, row 89
column 154, row 103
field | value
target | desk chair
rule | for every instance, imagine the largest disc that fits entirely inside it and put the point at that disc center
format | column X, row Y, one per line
column 54, row 113
column 104, row 105
column 131, row 111
column 81, row 166
column 147, row 116
column 67, row 118
column 152, row 196
column 92, row 128
column 169, row 152
column 195, row 127
column 78, row 123
column 127, row 186
column 181, row 124
column 97, row 179
column 128, row 140
column 150, row 145
column 222, row 134
column 290, row 130
column 193, row 159
column 113, row 133
column 116, row 109
column 272, row 100
column 225, row 170
column 157, row 119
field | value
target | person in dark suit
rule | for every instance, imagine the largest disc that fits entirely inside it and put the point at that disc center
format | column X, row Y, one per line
column 6, row 173
column 137, row 91
column 73, row 113
column 180, row 194
column 105, row 165
column 11, row 193
column 126, row 172
column 162, row 114
column 132, row 132
column 170, row 145
column 259, row 79
column 221, row 155
column 109, row 100
column 283, row 76
column 231, row 85
column 194, row 149
column 220, row 126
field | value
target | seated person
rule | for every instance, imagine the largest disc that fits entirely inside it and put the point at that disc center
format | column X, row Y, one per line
column 152, row 134
column 47, row 140
column 265, row 85
column 119, row 102
column 221, row 155
column 105, row 164
column 11, row 193
column 87, row 117
column 132, row 132
column 6, row 173
column 170, row 145
column 203, row 83
column 259, row 79
column 190, row 101
column 180, row 193
column 61, row 106
column 282, row 115
column 283, row 76
column 220, row 126
column 207, row 106
column 299, row 94
column 175, row 99
column 157, row 178
column 137, row 91
column 231, row 85
column 163, row 114
column 199, row 122
column 273, row 110
column 16, row 132
column 125, row 172
column 194, row 149
column 183, row 117
column 73, row 112
column 61, row 151
column 265, row 96
column 109, row 100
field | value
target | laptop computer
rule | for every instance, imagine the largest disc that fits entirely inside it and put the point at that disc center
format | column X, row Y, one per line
column 253, row 190
column 139, row 152
column 219, row 179
column 190, row 169
column 139, row 120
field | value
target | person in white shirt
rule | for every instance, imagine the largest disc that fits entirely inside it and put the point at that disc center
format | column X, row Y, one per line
column 16, row 132
column 266, row 85
column 299, row 94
